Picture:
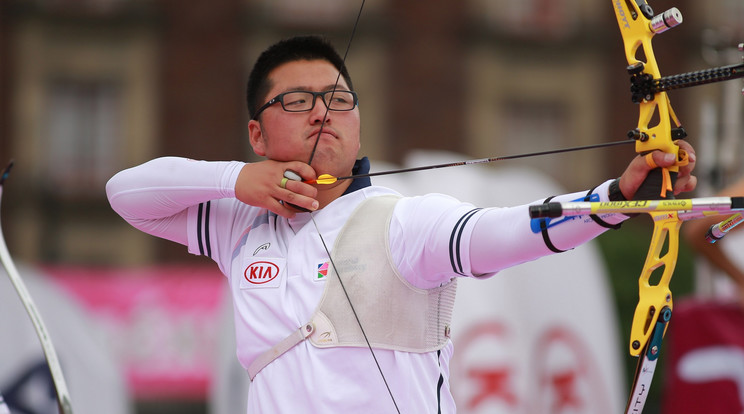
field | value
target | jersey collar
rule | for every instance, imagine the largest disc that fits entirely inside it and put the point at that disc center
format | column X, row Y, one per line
column 360, row 167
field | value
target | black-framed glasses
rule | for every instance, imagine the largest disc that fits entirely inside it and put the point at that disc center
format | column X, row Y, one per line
column 303, row 101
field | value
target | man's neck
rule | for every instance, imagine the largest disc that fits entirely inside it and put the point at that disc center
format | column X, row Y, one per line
column 328, row 193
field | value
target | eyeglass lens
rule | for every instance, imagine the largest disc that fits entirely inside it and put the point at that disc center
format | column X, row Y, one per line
column 305, row 101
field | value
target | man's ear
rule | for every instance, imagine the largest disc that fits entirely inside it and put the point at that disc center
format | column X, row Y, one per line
column 255, row 136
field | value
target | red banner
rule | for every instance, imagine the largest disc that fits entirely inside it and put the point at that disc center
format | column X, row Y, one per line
column 161, row 323
column 705, row 357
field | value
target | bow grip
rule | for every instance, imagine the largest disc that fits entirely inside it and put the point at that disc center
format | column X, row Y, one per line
column 659, row 183
column 653, row 186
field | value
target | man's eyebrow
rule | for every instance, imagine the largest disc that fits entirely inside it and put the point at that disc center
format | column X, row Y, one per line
column 326, row 88
column 297, row 88
column 336, row 86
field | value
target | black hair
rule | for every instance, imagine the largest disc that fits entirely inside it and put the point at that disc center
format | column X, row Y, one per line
column 311, row 47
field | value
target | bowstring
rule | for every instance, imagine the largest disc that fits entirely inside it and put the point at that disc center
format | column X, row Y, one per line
column 338, row 79
column 356, row 316
column 320, row 235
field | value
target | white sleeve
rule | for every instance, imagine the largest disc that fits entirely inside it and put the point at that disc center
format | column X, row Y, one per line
column 504, row 237
column 154, row 197
column 435, row 238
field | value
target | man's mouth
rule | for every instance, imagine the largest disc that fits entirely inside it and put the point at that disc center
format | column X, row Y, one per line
column 323, row 131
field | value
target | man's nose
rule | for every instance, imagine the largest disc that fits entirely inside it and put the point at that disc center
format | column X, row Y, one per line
column 320, row 112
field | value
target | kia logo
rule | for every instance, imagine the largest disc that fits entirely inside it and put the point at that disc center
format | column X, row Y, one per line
column 261, row 272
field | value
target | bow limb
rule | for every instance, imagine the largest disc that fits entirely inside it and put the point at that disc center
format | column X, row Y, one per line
column 654, row 309
column 655, row 295
column 55, row 369
column 655, row 305
column 638, row 25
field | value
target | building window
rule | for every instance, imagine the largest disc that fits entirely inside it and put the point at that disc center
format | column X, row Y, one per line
column 82, row 134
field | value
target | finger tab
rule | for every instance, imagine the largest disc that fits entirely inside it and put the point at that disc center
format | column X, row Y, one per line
column 289, row 174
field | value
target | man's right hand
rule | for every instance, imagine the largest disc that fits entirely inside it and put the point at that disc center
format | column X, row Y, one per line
column 260, row 184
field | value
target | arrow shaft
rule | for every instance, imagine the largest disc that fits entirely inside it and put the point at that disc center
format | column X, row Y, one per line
column 488, row 160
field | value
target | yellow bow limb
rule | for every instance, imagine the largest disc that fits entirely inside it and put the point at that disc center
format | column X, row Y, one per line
column 653, row 295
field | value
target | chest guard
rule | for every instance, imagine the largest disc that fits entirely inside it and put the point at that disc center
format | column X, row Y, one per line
column 395, row 315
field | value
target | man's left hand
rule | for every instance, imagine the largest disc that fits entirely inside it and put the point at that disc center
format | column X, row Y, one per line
column 638, row 169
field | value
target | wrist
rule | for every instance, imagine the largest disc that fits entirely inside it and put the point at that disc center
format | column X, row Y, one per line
column 614, row 191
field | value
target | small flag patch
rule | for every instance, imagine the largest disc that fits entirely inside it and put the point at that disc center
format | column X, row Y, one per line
column 322, row 270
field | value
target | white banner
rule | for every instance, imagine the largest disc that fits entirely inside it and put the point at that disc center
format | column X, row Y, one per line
column 93, row 377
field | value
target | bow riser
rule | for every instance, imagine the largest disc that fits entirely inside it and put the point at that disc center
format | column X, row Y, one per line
column 654, row 309
column 638, row 27
column 654, row 297
column 654, row 131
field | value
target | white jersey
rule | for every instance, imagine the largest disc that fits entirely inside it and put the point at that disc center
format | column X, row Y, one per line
column 276, row 269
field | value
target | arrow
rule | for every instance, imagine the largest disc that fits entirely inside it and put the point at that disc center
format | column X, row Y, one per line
column 329, row 179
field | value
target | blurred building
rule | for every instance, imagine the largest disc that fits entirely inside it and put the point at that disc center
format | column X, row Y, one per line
column 89, row 87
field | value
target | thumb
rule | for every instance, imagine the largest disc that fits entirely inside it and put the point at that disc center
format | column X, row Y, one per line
column 663, row 159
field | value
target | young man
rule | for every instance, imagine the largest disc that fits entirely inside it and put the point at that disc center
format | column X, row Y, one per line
column 398, row 257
